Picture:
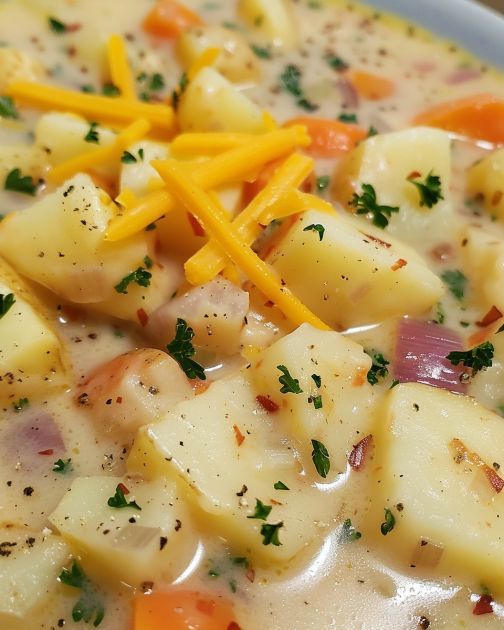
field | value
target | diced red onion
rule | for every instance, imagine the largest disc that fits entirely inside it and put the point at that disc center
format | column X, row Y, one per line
column 484, row 605
column 29, row 439
column 420, row 356
column 462, row 76
column 357, row 455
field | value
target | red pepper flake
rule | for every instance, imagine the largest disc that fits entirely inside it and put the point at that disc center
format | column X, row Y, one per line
column 360, row 377
column 483, row 605
column 250, row 575
column 233, row 626
column 143, row 318
column 414, row 175
column 240, row 438
column 195, row 225
column 358, row 454
column 463, row 453
column 492, row 316
column 72, row 28
column 206, row 606
column 399, row 263
column 48, row 451
column 442, row 252
column 269, row 304
column 377, row 240
column 497, row 197
column 122, row 487
column 119, row 400
column 267, row 404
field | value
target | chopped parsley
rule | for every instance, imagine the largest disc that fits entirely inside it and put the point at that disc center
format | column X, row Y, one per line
column 7, row 108
column 366, row 203
column 317, row 380
column 456, row 282
column 181, row 88
column 17, row 182
column 263, row 52
column 378, row 369
column 92, row 134
column 347, row 118
column 140, row 276
column 270, row 532
column 500, row 329
column 348, row 533
column 316, row 227
column 156, row 82
column 291, row 82
column 109, row 89
column 322, row 182
column 372, row 131
column 316, row 400
column 21, row 404
column 6, row 303
column 477, row 359
column 279, row 485
column 148, row 262
column 440, row 314
column 57, row 26
column 61, row 466
column 181, row 349
column 336, row 63
column 429, row 190
column 89, row 605
column 261, row 511
column 119, row 500
column 289, row 384
column 128, row 158
column 389, row 523
column 320, row 458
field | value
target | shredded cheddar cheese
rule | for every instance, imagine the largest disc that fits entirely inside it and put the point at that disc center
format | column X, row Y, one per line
column 214, row 220
column 120, row 71
column 206, row 58
column 292, row 202
column 208, row 143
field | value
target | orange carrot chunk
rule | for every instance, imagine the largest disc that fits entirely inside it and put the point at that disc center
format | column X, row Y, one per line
column 480, row 117
column 169, row 18
column 370, row 87
column 182, row 610
column 330, row 138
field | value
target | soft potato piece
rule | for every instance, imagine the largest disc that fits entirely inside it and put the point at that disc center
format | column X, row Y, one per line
column 347, row 397
column 385, row 161
column 486, row 386
column 16, row 65
column 29, row 565
column 198, row 442
column 64, row 250
column 134, row 389
column 215, row 311
column 140, row 177
column 236, row 62
column 356, row 274
column 31, row 355
column 273, row 19
column 486, row 179
column 212, row 103
column 446, row 500
column 158, row 545
column 29, row 159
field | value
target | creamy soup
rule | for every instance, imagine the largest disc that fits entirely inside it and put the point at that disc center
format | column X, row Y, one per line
column 251, row 361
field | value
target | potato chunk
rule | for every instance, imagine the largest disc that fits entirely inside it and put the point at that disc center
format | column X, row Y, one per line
column 486, row 179
column 29, row 565
column 139, row 176
column 158, row 544
column 386, row 161
column 212, row 103
column 273, row 19
column 437, row 454
column 29, row 159
column 356, row 274
column 16, row 65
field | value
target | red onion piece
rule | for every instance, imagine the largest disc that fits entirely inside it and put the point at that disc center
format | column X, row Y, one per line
column 357, row 455
column 462, row 76
column 484, row 605
column 420, row 356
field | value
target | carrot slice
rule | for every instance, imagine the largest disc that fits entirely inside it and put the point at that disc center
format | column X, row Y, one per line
column 480, row 116
column 169, row 18
column 182, row 610
column 371, row 87
column 330, row 138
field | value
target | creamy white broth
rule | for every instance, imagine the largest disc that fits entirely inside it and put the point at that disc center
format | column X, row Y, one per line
column 361, row 584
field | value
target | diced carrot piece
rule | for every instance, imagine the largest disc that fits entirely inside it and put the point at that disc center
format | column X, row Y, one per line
column 371, row 87
column 182, row 610
column 169, row 18
column 330, row 138
column 480, row 116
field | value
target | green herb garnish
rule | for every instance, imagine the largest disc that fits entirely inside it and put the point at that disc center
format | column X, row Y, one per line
column 181, row 349
column 316, row 227
column 317, row 380
column 6, row 303
column 279, row 485
column 347, row 118
column 21, row 404
column 378, row 369
column 366, row 203
column 322, row 182
column 57, row 26
column 109, row 89
column 261, row 511
column 430, row 190
column 389, row 523
column 261, row 52
column 270, row 532
column 89, row 605
column 20, row 183
column 140, row 276
column 119, row 500
column 7, row 108
column 456, row 282
column 128, row 158
column 477, row 358
column 316, row 400
column 289, row 384
column 320, row 458
column 92, row 135
column 61, row 466
column 348, row 533
column 181, row 88
column 336, row 63
column 291, row 82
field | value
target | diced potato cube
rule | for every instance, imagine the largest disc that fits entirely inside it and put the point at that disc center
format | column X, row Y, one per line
column 212, row 103
column 486, row 179
column 386, row 161
column 273, row 19
column 356, row 274
column 486, row 385
column 29, row 159
column 16, row 65
column 158, row 545
column 236, row 62
column 29, row 565
column 140, row 177
column 436, row 456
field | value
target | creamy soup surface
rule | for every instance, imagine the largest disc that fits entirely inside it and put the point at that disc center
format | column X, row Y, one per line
column 299, row 425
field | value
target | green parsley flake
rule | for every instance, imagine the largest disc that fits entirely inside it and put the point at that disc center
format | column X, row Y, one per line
column 372, row 131
column 92, row 135
column 320, row 458
column 148, row 262
column 16, row 182
column 270, row 532
column 119, row 500
column 479, row 358
column 347, row 118
column 261, row 52
column 378, row 369
column 316, row 227
column 181, row 349
column 317, row 380
column 109, row 89
column 62, row 467
column 261, row 511
column 21, row 404
column 429, row 190
column 6, row 303
column 316, row 400
column 348, row 533
column 456, row 282
column 181, row 88
column 291, row 82
column 440, row 314
column 336, row 63
column 389, row 523
column 57, row 26
column 322, row 182
column 140, row 276
column 156, row 82
column 89, row 604
column 366, row 203
column 289, row 384
column 128, row 158
column 7, row 108
column 279, row 485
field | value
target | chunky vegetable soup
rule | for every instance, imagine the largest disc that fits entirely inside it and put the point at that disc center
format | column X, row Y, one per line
column 251, row 315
